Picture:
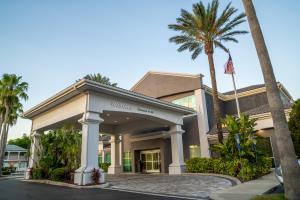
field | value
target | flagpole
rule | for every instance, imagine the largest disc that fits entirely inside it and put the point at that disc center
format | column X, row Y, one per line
column 236, row 96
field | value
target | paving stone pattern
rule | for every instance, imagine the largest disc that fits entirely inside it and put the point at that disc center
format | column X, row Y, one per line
column 195, row 185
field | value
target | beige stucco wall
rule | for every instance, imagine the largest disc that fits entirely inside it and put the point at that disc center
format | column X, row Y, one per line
column 66, row 110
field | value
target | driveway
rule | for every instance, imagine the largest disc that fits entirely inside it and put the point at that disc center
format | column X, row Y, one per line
column 19, row 190
column 186, row 185
column 123, row 186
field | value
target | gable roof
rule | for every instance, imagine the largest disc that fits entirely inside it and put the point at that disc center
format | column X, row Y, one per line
column 251, row 87
column 161, row 84
column 12, row 147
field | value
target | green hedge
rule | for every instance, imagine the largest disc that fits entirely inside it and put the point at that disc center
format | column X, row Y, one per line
column 6, row 172
column 58, row 174
column 104, row 166
column 37, row 173
column 243, row 170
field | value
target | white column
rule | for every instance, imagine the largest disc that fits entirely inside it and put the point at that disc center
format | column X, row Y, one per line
column 101, row 149
column 202, row 122
column 34, row 153
column 121, row 150
column 18, row 168
column 115, row 166
column 177, row 166
column 103, row 156
column 89, row 149
column 8, row 156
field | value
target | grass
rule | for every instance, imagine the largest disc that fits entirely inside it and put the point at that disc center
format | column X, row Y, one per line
column 269, row 197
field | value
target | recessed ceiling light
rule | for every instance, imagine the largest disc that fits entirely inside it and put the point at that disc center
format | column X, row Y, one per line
column 127, row 118
column 116, row 121
column 107, row 114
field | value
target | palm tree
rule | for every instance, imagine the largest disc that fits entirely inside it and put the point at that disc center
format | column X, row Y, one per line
column 100, row 79
column 202, row 29
column 288, row 160
column 12, row 91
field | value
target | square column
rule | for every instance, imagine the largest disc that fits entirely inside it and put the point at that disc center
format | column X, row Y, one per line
column 89, row 149
column 202, row 122
column 34, row 153
column 177, row 166
column 115, row 166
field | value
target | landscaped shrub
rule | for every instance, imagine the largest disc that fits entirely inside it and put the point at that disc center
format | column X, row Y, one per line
column 58, row 174
column 61, row 149
column 244, row 170
column 104, row 166
column 95, row 176
column 37, row 173
column 6, row 172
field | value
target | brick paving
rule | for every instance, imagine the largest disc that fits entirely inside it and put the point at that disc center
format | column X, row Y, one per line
column 187, row 185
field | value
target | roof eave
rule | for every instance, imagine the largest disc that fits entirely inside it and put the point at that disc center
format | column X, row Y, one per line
column 88, row 85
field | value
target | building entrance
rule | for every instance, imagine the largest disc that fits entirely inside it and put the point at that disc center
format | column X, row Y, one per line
column 150, row 161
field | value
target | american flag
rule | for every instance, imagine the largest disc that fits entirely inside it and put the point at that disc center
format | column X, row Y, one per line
column 228, row 67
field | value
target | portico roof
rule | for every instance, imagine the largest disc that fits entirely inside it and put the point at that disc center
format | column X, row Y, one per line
column 85, row 85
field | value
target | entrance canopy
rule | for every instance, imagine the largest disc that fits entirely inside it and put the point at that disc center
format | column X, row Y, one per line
column 122, row 111
column 101, row 108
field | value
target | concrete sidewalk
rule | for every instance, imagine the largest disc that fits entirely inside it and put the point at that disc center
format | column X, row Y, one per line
column 248, row 190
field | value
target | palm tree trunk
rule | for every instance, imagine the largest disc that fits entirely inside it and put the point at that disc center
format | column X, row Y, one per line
column 3, row 144
column 288, row 159
column 216, row 101
column 1, row 147
column 4, row 135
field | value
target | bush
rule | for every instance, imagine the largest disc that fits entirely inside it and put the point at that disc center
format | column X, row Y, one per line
column 58, row 174
column 95, row 176
column 244, row 170
column 5, row 172
column 104, row 166
column 37, row 173
column 10, row 169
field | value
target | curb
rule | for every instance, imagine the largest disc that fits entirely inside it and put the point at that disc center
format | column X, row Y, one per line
column 49, row 182
column 233, row 180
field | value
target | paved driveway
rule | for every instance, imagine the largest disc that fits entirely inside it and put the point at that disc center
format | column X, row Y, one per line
column 12, row 189
column 187, row 185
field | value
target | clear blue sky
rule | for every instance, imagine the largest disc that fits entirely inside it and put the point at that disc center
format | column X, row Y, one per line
column 53, row 43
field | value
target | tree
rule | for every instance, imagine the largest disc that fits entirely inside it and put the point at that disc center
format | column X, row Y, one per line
column 294, row 126
column 100, row 79
column 203, row 29
column 60, row 148
column 12, row 91
column 23, row 141
column 284, row 143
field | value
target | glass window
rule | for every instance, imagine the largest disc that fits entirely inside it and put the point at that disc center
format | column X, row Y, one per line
column 107, row 158
column 195, row 151
column 189, row 101
column 100, row 158
column 127, row 162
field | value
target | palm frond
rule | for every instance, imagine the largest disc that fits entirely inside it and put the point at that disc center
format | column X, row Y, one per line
column 203, row 27
column 196, row 52
column 220, row 45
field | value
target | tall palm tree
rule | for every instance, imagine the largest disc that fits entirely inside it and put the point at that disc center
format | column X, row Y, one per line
column 204, row 29
column 288, row 161
column 100, row 79
column 12, row 91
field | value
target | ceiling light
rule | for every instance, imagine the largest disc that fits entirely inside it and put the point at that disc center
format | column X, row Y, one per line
column 127, row 118
column 107, row 114
column 116, row 121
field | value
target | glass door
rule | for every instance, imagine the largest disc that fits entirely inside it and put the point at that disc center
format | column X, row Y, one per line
column 150, row 161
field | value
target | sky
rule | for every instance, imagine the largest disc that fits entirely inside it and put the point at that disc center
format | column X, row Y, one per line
column 53, row 43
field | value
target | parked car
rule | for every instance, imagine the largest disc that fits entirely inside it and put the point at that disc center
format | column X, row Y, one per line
column 278, row 173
